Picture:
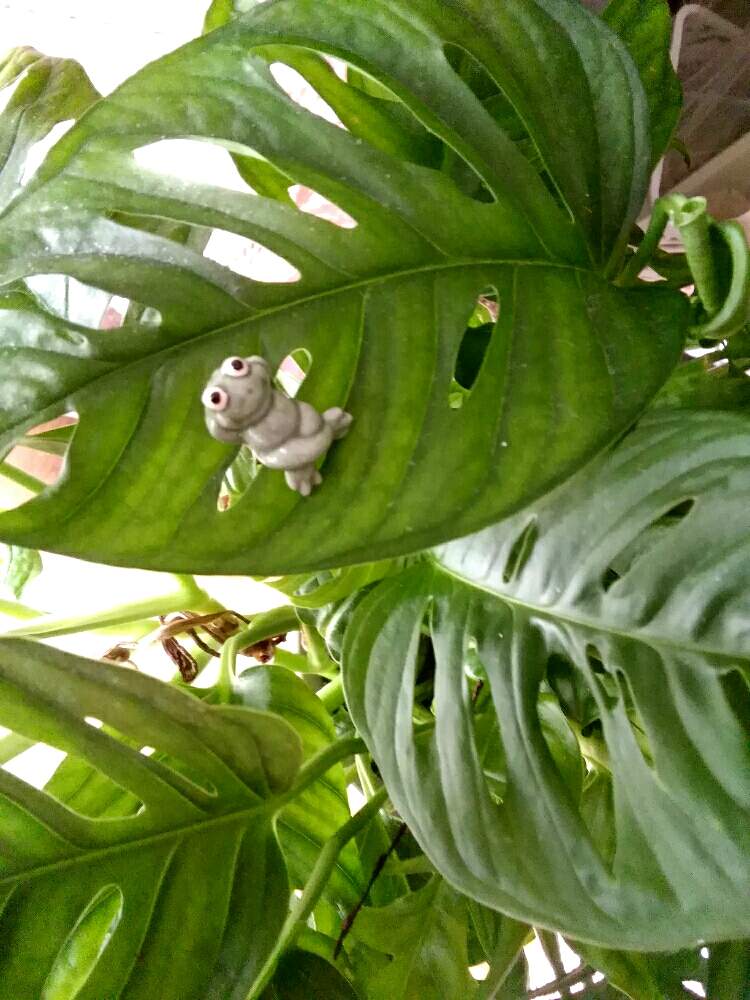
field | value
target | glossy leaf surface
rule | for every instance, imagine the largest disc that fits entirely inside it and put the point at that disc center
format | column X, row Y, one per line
column 424, row 935
column 645, row 26
column 381, row 307
column 181, row 899
column 314, row 816
column 636, row 575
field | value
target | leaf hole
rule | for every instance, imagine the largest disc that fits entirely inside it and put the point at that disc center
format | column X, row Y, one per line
column 649, row 537
column 240, row 475
column 313, row 203
column 520, row 551
column 37, row 460
column 571, row 689
column 249, row 259
column 70, row 299
column 472, row 350
column 37, row 153
column 191, row 161
column 84, row 945
column 299, row 90
column 71, row 780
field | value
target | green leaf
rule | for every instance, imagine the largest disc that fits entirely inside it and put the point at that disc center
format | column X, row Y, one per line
column 645, row 977
column 303, row 976
column 425, row 935
column 48, row 91
column 662, row 647
column 695, row 385
column 315, row 815
column 381, row 308
column 21, row 566
column 645, row 26
column 91, row 906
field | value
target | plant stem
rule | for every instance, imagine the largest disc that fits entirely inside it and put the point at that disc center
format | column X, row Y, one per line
column 313, row 890
column 649, row 245
column 690, row 216
column 377, row 869
column 332, row 695
column 21, row 478
column 692, row 220
column 513, row 933
column 420, row 865
column 12, row 609
column 263, row 626
column 188, row 595
column 317, row 766
column 317, row 653
column 557, row 985
column 551, row 950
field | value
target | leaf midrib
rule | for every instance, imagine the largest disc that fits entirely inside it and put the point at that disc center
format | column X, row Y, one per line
column 594, row 625
column 140, row 843
column 261, row 314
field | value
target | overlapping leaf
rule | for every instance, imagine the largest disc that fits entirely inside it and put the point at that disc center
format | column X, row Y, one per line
column 182, row 898
column 381, row 308
column 635, row 574
column 646, row 28
column 315, row 815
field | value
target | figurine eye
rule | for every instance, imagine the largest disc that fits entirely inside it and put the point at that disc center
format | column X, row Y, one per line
column 235, row 367
column 214, row 398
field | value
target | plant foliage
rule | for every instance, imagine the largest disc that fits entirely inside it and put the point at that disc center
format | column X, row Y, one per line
column 381, row 308
column 521, row 592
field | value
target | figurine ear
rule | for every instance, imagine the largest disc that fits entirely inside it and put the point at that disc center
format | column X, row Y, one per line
column 256, row 359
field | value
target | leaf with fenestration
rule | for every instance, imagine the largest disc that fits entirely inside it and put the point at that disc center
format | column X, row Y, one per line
column 48, row 91
column 381, row 307
column 182, row 899
column 636, row 573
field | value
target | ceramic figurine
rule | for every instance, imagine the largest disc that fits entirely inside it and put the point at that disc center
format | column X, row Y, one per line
column 243, row 407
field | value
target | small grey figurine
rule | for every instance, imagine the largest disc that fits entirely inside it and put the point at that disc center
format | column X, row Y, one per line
column 242, row 406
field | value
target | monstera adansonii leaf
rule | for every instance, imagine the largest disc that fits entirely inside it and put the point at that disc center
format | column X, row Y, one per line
column 380, row 308
column 179, row 893
column 637, row 573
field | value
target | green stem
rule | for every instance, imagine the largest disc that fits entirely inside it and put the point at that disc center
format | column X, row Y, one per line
column 317, row 766
column 317, row 652
column 512, row 936
column 648, row 247
column 332, row 695
column 12, row 609
column 314, row 888
column 292, row 661
column 189, row 595
column 420, row 865
column 556, row 986
column 694, row 225
column 21, row 478
column 263, row 626
column 551, row 950
column 689, row 215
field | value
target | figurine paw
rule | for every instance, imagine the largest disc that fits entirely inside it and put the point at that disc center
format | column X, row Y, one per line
column 338, row 420
column 303, row 480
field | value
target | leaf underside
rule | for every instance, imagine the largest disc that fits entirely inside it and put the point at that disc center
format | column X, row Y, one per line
column 625, row 581
column 381, row 308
